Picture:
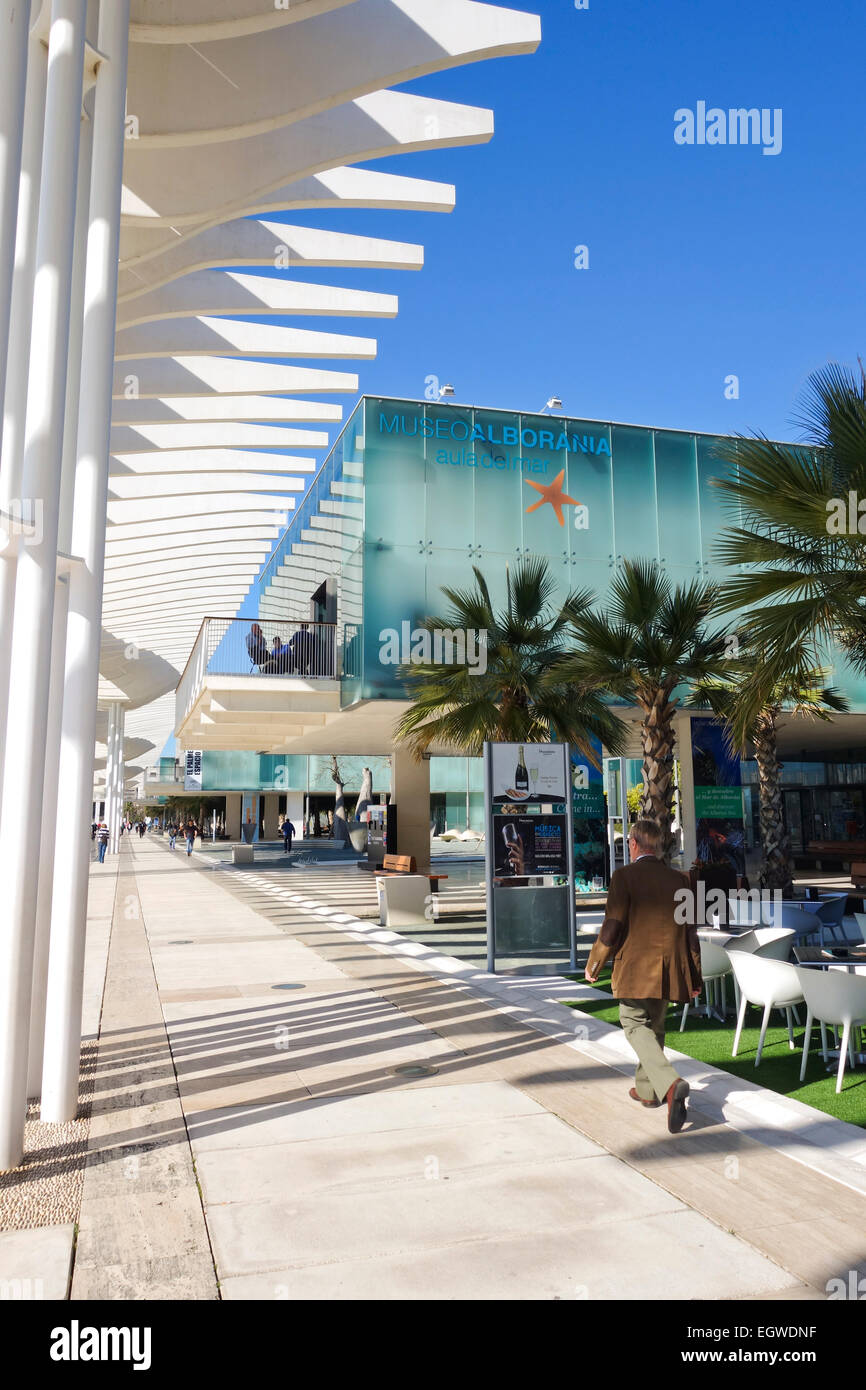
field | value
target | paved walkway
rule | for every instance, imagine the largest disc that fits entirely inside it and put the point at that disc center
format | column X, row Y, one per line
column 40, row 1201
column 254, row 1135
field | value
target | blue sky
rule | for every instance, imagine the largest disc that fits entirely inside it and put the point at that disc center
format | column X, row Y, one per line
column 703, row 262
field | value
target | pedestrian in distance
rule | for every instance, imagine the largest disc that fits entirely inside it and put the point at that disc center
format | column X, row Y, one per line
column 94, row 826
column 287, row 830
column 190, row 837
column 102, row 838
column 655, row 960
column 172, row 835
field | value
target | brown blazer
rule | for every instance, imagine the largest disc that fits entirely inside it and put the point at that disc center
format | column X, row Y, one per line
column 654, row 957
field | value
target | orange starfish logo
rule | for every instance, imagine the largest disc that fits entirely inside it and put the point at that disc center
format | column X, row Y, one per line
column 552, row 494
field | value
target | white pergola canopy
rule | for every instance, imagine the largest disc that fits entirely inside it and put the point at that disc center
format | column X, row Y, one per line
column 237, row 113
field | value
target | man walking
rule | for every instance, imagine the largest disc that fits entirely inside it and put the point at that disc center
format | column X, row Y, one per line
column 190, row 837
column 287, row 830
column 102, row 837
column 655, row 960
column 172, row 835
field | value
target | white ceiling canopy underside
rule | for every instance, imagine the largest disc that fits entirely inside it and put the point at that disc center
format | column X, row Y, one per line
column 239, row 113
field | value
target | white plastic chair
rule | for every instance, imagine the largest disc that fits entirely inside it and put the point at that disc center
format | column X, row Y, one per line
column 715, row 965
column 860, row 919
column 770, row 984
column 773, row 943
column 837, row 998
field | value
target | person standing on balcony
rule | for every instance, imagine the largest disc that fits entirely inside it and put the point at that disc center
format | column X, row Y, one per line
column 257, row 647
column 301, row 648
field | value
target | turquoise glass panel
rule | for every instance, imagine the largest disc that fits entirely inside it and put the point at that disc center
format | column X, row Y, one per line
column 448, row 775
column 636, row 528
column 590, row 480
column 548, row 518
column 678, row 504
column 394, row 472
column 715, row 510
column 449, row 480
column 499, row 494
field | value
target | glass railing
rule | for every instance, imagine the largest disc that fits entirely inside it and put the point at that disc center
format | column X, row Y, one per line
column 244, row 647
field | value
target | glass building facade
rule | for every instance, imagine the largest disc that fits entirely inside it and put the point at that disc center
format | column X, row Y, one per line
column 414, row 494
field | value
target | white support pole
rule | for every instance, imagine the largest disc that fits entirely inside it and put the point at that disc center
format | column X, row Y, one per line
column 14, row 33
column 15, row 398
column 61, row 615
column 48, row 838
column 36, row 569
column 116, row 774
column 72, row 859
column 110, row 763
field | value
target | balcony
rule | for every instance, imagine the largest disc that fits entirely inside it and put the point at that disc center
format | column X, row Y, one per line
column 258, row 684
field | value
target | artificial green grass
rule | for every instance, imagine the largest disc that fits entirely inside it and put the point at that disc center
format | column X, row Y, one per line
column 708, row 1040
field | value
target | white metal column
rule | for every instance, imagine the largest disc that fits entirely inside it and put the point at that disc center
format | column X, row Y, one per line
column 15, row 398
column 37, row 563
column 61, row 616
column 72, row 858
column 49, row 831
column 117, row 770
column 13, row 77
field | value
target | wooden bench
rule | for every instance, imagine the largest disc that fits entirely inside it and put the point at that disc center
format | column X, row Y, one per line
column 837, row 849
column 405, row 864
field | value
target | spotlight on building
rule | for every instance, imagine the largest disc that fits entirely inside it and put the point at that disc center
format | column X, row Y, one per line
column 553, row 404
column 446, row 390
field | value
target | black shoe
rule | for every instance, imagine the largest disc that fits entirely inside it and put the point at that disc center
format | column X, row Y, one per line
column 676, row 1099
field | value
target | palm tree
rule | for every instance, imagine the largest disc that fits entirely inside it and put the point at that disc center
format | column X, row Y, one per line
column 806, row 572
column 648, row 641
column 752, row 686
column 520, row 697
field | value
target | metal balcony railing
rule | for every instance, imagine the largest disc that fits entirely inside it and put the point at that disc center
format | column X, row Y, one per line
column 246, row 647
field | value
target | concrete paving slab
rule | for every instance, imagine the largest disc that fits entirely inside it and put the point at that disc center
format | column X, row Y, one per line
column 364, row 1114
column 659, row 1253
column 577, row 1193
column 35, row 1264
column 365, row 1163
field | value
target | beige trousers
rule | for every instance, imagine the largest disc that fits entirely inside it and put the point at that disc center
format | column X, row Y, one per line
column 643, row 1022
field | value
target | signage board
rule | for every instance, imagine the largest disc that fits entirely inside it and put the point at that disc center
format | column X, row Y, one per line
column 529, row 851
column 192, row 770
column 523, row 772
column 719, row 821
column 528, row 845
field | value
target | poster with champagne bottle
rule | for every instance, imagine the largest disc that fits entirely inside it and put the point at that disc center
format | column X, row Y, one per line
column 527, row 772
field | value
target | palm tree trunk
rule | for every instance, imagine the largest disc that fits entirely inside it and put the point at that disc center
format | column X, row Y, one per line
column 776, row 865
column 658, row 738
